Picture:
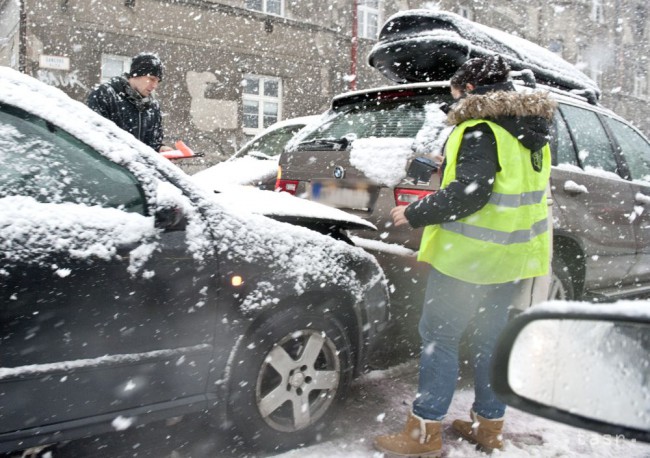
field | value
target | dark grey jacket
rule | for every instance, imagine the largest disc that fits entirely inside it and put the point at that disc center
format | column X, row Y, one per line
column 525, row 116
column 118, row 101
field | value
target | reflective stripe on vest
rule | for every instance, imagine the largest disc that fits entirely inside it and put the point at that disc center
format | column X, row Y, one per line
column 498, row 237
column 513, row 201
column 506, row 240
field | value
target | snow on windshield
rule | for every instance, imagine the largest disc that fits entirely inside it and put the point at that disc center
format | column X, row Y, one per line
column 434, row 132
column 383, row 160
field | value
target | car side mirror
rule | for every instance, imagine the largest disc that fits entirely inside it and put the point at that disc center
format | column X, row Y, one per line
column 170, row 219
column 589, row 369
column 420, row 170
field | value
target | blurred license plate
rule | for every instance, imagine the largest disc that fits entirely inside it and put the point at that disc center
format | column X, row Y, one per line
column 337, row 195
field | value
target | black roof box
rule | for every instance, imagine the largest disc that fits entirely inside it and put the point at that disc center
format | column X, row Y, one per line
column 429, row 45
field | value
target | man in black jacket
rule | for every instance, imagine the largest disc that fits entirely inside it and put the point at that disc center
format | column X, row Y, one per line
column 129, row 102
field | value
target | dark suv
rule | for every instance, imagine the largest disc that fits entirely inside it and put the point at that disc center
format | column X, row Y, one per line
column 357, row 159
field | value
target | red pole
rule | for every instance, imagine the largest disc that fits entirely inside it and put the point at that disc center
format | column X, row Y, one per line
column 22, row 37
column 355, row 45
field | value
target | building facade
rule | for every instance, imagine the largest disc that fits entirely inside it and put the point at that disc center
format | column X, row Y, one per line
column 233, row 67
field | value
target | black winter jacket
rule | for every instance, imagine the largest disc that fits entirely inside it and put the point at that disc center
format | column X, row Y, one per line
column 525, row 116
column 118, row 101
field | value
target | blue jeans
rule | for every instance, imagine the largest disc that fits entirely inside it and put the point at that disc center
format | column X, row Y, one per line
column 450, row 306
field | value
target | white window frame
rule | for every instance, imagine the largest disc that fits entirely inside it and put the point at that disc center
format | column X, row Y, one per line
column 363, row 24
column 596, row 72
column 261, row 99
column 597, row 11
column 126, row 66
column 265, row 8
column 640, row 86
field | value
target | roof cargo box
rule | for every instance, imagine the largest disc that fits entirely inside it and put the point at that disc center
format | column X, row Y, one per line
column 428, row 45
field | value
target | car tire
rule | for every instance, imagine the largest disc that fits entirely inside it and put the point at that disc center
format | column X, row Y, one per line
column 288, row 378
column 561, row 288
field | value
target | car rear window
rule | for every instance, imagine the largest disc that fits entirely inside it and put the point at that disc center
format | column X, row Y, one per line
column 387, row 120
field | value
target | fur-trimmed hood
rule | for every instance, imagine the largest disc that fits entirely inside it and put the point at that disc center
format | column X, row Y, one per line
column 527, row 116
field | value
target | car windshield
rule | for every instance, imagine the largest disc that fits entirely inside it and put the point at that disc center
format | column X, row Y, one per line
column 272, row 143
column 394, row 119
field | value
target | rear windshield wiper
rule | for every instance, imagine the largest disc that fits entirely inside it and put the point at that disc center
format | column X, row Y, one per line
column 325, row 143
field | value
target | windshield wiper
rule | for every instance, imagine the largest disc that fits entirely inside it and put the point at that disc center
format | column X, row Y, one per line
column 329, row 143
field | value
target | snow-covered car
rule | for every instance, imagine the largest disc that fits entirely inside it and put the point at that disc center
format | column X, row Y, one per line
column 359, row 156
column 129, row 294
column 255, row 163
column 581, row 365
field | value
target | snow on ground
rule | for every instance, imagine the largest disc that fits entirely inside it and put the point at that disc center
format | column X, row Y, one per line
column 378, row 404
column 380, row 401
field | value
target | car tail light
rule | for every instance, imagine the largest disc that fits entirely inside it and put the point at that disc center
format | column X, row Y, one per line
column 290, row 186
column 408, row 196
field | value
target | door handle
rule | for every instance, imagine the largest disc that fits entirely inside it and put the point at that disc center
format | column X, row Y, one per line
column 641, row 198
column 571, row 187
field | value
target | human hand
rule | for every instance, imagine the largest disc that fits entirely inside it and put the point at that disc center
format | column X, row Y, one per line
column 399, row 218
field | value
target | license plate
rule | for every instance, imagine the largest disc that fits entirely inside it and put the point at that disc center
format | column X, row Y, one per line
column 336, row 194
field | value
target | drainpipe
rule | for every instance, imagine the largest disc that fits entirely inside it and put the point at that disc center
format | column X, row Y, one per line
column 355, row 46
column 22, row 37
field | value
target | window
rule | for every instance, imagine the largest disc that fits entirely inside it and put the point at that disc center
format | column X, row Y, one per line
column 634, row 147
column 465, row 12
column 368, row 18
column 640, row 19
column 50, row 165
column 114, row 66
column 266, row 6
column 386, row 120
column 272, row 143
column 596, row 71
column 262, row 102
column 597, row 12
column 594, row 148
column 565, row 152
column 640, row 86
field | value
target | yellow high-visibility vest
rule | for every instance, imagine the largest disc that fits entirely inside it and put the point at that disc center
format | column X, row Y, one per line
column 506, row 240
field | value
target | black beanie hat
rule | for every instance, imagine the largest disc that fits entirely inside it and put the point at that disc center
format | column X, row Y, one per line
column 146, row 64
column 481, row 71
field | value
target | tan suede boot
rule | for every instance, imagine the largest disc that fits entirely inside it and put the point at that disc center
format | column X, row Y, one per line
column 419, row 437
column 487, row 434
